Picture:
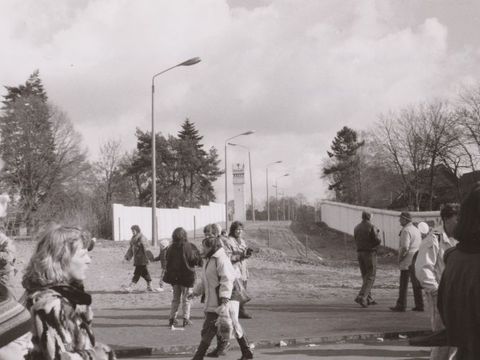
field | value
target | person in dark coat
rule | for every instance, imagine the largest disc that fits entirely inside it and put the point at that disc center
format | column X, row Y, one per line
column 367, row 241
column 138, row 251
column 182, row 256
column 459, row 289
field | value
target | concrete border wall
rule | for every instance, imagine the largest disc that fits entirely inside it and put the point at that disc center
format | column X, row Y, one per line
column 167, row 219
column 344, row 218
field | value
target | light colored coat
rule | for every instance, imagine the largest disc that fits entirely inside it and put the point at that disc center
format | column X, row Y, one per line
column 410, row 239
column 236, row 250
column 218, row 272
column 61, row 330
column 429, row 265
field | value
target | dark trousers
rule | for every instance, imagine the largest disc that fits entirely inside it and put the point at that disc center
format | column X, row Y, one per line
column 402, row 292
column 241, row 309
column 368, row 268
column 141, row 271
column 209, row 329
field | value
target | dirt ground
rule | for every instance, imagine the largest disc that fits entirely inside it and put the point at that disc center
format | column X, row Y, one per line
column 283, row 270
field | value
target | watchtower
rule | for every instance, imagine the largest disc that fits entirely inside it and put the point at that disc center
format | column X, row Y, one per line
column 239, row 191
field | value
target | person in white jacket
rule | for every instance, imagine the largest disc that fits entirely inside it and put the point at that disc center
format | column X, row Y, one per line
column 429, row 267
column 216, row 285
column 409, row 243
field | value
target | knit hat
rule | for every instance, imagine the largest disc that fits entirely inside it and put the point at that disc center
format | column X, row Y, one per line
column 14, row 318
column 406, row 215
column 423, row 227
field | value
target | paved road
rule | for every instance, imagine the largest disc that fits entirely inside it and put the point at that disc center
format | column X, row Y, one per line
column 391, row 350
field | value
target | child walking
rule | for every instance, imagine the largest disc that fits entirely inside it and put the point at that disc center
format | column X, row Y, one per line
column 162, row 257
column 138, row 250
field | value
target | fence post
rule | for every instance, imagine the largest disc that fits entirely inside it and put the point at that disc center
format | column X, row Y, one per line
column 306, row 246
column 194, row 227
column 383, row 231
column 119, row 229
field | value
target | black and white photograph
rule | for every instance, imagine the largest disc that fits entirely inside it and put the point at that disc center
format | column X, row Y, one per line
column 239, row 179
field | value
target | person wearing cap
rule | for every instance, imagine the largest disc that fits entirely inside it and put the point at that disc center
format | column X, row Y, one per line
column 163, row 244
column 59, row 305
column 409, row 242
column 429, row 268
column 367, row 241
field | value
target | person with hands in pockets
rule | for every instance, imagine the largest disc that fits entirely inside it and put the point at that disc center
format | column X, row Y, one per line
column 216, row 285
column 429, row 267
column 409, row 243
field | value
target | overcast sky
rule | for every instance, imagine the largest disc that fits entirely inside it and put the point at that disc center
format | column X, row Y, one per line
column 294, row 71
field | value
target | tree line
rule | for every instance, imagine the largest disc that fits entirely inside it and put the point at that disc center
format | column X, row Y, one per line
column 412, row 158
column 48, row 177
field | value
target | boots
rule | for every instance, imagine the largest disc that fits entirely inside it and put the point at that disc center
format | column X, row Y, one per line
column 201, row 350
column 246, row 351
column 149, row 286
column 221, row 349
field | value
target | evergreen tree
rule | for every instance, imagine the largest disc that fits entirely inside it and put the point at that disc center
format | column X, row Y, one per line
column 27, row 146
column 41, row 151
column 185, row 171
column 190, row 133
column 197, row 168
column 344, row 167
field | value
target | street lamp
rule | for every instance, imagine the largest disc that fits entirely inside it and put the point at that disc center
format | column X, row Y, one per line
column 188, row 62
column 276, row 191
column 249, row 132
column 268, row 202
column 250, row 172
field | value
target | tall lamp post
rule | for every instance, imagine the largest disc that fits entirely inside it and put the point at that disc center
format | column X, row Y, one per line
column 249, row 132
column 250, row 172
column 276, row 191
column 268, row 201
column 188, row 62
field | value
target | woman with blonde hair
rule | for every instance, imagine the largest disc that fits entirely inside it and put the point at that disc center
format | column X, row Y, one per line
column 58, row 303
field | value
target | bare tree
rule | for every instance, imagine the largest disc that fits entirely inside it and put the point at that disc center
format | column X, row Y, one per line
column 69, row 174
column 108, row 168
column 441, row 138
column 468, row 118
column 401, row 136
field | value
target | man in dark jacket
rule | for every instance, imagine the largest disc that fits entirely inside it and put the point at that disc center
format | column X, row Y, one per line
column 367, row 241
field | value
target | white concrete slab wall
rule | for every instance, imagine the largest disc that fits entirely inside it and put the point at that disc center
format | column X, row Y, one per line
column 167, row 219
column 344, row 218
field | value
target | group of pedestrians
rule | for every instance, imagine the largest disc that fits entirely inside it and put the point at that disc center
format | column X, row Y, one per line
column 54, row 317
column 444, row 264
column 224, row 263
